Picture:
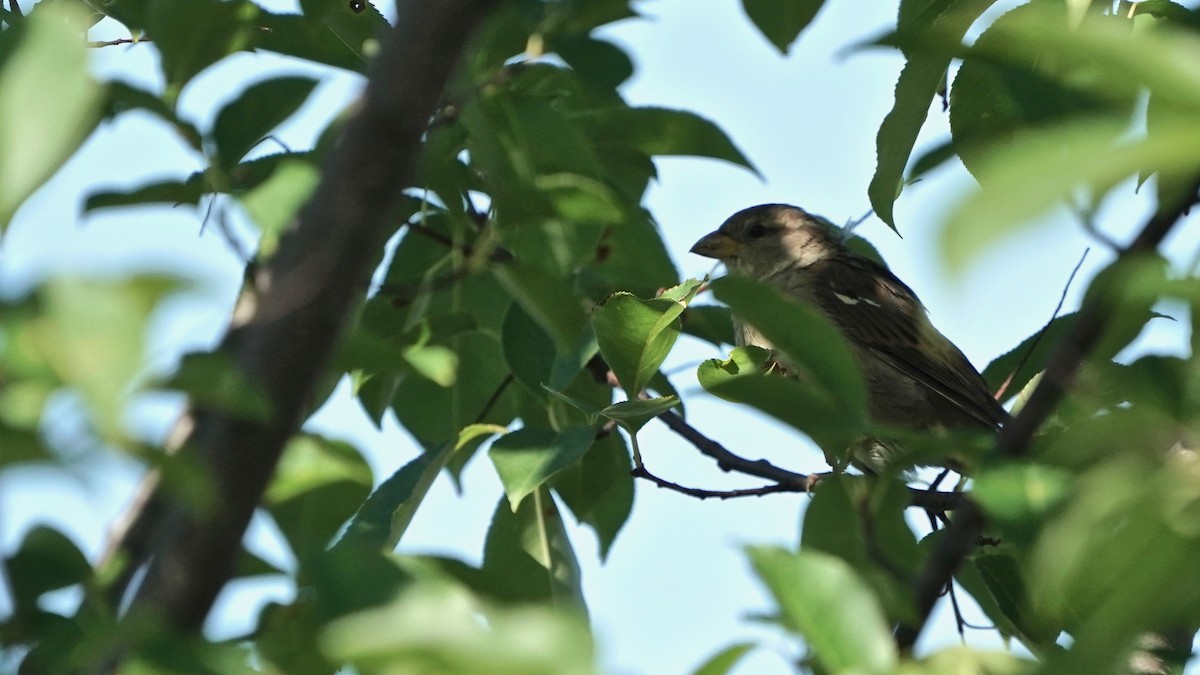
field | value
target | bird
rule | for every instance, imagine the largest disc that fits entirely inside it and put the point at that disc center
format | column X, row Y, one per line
column 915, row 378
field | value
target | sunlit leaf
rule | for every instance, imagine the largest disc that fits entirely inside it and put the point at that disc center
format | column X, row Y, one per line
column 525, row 459
column 635, row 336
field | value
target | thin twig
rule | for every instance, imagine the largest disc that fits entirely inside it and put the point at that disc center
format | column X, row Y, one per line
column 643, row 472
column 113, row 43
column 1016, row 437
column 491, row 402
column 1033, row 345
column 788, row 481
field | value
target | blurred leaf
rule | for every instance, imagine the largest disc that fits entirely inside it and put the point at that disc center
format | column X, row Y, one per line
column 963, row 660
column 317, row 487
column 599, row 61
column 808, row 340
column 257, row 110
column 781, row 21
column 123, row 97
column 441, row 628
column 666, row 132
column 171, row 192
column 1004, row 88
column 273, row 204
column 725, row 660
column 599, row 489
column 46, row 560
column 48, row 103
column 525, row 459
column 527, row 556
column 1020, row 493
column 93, row 336
column 1044, row 166
column 191, row 35
column 213, row 382
column 923, row 74
column 821, row 598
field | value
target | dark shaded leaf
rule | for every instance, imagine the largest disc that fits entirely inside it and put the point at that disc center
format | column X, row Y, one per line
column 781, row 21
column 261, row 107
column 599, row 489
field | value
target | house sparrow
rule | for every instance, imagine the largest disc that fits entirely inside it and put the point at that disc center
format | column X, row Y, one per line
column 915, row 378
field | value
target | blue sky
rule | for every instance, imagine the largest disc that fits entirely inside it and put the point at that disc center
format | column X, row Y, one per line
column 676, row 587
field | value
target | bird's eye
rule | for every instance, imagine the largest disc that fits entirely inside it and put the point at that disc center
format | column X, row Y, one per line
column 757, row 230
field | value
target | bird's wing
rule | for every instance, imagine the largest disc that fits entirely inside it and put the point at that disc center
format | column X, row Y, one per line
column 878, row 311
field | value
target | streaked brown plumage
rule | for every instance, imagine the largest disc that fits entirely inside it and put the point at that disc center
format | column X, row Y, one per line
column 915, row 377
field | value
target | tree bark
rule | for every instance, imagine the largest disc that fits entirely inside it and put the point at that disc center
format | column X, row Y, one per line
column 297, row 305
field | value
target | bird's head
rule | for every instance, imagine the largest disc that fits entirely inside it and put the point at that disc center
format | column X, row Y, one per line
column 763, row 240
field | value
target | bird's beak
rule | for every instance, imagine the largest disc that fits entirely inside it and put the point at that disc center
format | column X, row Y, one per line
column 716, row 245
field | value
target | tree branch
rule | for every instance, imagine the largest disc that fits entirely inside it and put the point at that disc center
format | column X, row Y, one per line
column 1016, row 437
column 287, row 323
column 785, row 481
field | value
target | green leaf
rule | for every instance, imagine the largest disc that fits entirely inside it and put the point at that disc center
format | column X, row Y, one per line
column 534, row 358
column 93, row 337
column 191, row 35
column 384, row 517
column 48, row 103
column 547, row 299
column 710, row 323
column 1033, row 350
column 788, row 400
column 633, row 415
column 809, row 341
column 123, row 97
column 525, row 459
column 434, row 414
column 1005, row 87
column 821, row 598
column 317, row 487
column 599, row 489
column 1046, row 165
column 46, row 560
column 781, row 21
column 666, row 132
column 437, row 626
column 527, row 556
column 636, row 335
column 261, row 107
column 329, row 32
column 273, row 204
column 599, row 61
column 172, row 192
column 725, row 660
column 213, row 382
column 1020, row 493
column 919, row 81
